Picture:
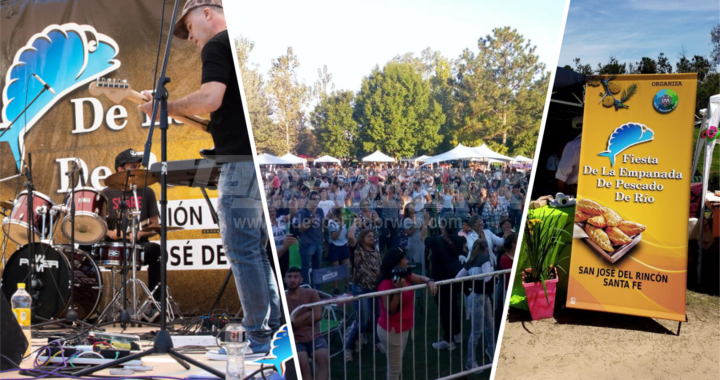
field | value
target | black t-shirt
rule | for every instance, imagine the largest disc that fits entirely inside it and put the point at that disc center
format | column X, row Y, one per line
column 148, row 206
column 227, row 123
column 444, row 257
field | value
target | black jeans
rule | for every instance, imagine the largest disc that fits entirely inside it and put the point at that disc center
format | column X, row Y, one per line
column 152, row 260
column 447, row 299
column 388, row 234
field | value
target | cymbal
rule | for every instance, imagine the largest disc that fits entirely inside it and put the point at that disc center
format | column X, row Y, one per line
column 157, row 229
column 137, row 178
column 7, row 205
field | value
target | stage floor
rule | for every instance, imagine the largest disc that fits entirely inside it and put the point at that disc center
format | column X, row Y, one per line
column 161, row 364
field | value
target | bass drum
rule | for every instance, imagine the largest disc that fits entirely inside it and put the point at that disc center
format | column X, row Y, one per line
column 50, row 285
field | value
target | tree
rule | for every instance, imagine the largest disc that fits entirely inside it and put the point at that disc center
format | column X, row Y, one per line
column 663, row 64
column 612, row 67
column 288, row 96
column 582, row 69
column 266, row 136
column 333, row 124
column 323, row 85
column 707, row 88
column 531, row 104
column 495, row 92
column 424, row 65
column 647, row 66
column 396, row 113
column 698, row 64
column 307, row 143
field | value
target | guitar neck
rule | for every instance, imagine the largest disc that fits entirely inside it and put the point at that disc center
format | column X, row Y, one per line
column 193, row 121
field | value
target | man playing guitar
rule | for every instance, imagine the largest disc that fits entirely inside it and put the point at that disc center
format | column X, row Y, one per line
column 242, row 223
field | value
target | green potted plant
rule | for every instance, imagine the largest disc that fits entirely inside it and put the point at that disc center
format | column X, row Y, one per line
column 541, row 247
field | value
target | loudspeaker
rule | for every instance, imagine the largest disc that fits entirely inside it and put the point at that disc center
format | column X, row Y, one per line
column 12, row 340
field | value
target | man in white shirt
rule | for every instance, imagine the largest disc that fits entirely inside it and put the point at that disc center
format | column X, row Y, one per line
column 364, row 187
column 420, row 197
column 569, row 167
column 477, row 225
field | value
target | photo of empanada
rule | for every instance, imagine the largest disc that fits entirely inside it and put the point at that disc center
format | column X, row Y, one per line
column 612, row 218
column 613, row 236
column 587, row 206
column 599, row 237
column 616, row 236
column 631, row 228
column 598, row 221
column 580, row 216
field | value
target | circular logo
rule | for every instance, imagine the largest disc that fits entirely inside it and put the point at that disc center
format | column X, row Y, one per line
column 665, row 100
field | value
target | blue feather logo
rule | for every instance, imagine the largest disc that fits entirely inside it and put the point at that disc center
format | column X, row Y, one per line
column 624, row 137
column 66, row 57
column 280, row 352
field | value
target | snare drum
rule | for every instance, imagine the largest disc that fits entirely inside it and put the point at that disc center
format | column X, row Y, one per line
column 91, row 211
column 111, row 254
column 16, row 225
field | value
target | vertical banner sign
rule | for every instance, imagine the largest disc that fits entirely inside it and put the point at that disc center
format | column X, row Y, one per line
column 629, row 252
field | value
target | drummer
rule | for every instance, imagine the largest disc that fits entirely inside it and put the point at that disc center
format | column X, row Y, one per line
column 130, row 160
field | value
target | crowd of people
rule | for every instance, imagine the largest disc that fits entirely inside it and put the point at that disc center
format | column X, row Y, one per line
column 398, row 226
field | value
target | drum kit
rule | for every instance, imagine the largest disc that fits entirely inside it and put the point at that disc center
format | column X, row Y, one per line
column 45, row 265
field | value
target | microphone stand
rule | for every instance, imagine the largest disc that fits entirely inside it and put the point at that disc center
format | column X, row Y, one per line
column 71, row 315
column 163, row 343
column 45, row 88
column 124, row 313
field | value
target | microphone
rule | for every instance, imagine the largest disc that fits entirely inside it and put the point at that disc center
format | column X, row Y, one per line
column 44, row 84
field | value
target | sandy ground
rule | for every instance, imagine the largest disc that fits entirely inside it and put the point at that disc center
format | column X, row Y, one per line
column 579, row 344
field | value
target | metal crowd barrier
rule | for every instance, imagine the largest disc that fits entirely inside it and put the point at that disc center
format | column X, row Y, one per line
column 331, row 304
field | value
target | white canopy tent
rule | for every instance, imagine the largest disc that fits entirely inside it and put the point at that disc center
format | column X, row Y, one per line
column 269, row 159
column 293, row 159
column 327, row 159
column 415, row 159
column 486, row 152
column 460, row 152
column 520, row 158
column 488, row 160
column 378, row 156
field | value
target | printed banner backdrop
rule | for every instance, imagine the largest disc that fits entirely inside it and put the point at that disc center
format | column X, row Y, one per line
column 629, row 252
column 70, row 44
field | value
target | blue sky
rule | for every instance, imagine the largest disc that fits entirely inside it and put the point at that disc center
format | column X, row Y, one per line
column 351, row 38
column 632, row 29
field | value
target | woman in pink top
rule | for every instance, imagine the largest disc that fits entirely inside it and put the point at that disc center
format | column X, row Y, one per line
column 397, row 310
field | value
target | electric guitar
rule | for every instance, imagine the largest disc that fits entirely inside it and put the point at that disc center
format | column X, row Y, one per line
column 118, row 91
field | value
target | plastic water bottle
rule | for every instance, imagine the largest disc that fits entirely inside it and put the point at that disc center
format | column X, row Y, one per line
column 21, row 304
column 235, row 343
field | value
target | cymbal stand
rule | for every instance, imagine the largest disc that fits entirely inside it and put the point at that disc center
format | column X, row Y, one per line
column 127, row 316
column 137, row 227
column 170, row 301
